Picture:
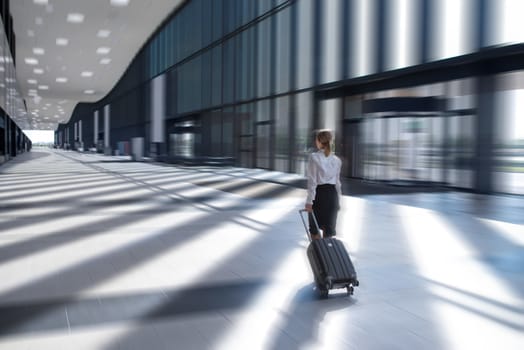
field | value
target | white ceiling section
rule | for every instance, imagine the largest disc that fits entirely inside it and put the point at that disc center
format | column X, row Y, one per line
column 70, row 51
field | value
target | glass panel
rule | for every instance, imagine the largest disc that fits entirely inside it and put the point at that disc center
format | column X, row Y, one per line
column 363, row 36
column 283, row 50
column 390, row 149
column 228, row 142
column 190, row 85
column 216, row 134
column 231, row 17
column 435, row 150
column 228, row 91
column 452, row 24
column 303, row 132
column 263, row 146
column 400, row 33
column 282, row 134
column 207, row 20
column 245, row 117
column 305, row 44
column 245, row 68
column 206, row 73
column 263, row 110
column 370, row 148
column 331, row 48
column 461, row 152
column 264, row 58
column 509, row 133
column 216, row 79
column 248, row 10
column 217, row 19
column 264, row 6
column 182, row 143
column 506, row 19
column 329, row 114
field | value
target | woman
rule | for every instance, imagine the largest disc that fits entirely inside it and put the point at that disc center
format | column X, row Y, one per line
column 323, row 186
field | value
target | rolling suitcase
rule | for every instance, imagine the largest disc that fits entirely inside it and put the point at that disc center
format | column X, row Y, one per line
column 330, row 262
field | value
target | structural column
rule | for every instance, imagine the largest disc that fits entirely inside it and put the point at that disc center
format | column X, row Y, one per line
column 484, row 161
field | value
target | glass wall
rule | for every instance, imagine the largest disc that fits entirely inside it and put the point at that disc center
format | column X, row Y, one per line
column 248, row 73
column 303, row 141
column 282, row 133
column 509, row 133
column 305, row 37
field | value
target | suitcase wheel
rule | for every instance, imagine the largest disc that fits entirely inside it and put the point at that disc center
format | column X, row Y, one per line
column 323, row 292
column 356, row 283
column 350, row 290
column 329, row 283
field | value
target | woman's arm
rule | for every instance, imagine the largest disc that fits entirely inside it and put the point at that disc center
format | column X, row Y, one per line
column 311, row 174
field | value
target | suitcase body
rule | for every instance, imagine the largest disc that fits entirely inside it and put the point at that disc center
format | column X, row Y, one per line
column 331, row 264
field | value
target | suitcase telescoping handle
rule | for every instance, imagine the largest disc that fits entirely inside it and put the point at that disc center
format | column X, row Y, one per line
column 301, row 212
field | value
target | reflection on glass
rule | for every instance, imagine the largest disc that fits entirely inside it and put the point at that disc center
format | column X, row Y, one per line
column 509, row 133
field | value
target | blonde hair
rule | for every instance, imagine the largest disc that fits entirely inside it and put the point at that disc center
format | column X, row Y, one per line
column 325, row 137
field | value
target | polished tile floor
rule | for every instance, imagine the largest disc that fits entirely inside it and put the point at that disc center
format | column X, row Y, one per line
column 98, row 252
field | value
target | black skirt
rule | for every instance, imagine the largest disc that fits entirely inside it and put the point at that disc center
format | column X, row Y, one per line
column 325, row 206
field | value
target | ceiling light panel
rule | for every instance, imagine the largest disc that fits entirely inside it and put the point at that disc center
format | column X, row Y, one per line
column 103, row 33
column 40, row 2
column 61, row 80
column 119, row 3
column 75, row 18
column 62, row 41
column 31, row 61
column 87, row 74
column 38, row 51
column 38, row 71
column 103, row 50
column 105, row 61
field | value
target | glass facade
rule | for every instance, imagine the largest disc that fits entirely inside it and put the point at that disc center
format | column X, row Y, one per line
column 247, row 74
column 13, row 113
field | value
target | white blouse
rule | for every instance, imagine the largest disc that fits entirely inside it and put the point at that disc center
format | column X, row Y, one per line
column 322, row 170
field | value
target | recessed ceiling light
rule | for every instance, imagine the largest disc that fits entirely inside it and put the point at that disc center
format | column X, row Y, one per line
column 30, row 33
column 89, row 92
column 39, row 21
column 62, row 41
column 119, row 2
column 43, row 87
column 105, row 61
column 32, row 81
column 61, row 80
column 87, row 74
column 103, row 33
column 38, row 71
column 38, row 51
column 30, row 60
column 75, row 18
column 40, row 2
column 103, row 50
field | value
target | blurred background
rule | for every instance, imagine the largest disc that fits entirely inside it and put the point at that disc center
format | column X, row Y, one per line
column 418, row 92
